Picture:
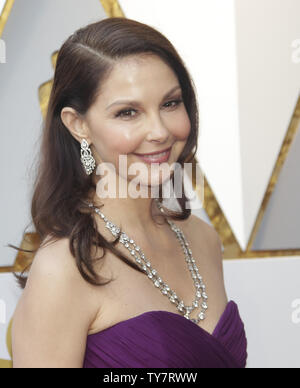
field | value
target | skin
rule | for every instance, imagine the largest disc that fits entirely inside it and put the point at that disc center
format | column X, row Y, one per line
column 153, row 125
column 58, row 308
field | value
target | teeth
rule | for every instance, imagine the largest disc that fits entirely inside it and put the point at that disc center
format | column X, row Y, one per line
column 157, row 156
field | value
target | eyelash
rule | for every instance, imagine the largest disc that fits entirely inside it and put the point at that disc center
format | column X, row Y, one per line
column 119, row 114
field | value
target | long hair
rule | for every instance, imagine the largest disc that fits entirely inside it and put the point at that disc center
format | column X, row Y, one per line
column 84, row 61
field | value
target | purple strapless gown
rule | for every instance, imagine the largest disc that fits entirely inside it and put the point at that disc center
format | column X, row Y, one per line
column 163, row 339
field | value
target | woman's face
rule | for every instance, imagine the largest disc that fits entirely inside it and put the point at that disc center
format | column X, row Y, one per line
column 152, row 119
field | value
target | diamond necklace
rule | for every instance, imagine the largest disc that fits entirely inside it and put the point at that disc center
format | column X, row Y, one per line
column 152, row 274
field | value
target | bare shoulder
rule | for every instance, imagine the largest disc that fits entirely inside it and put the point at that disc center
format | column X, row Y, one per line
column 54, row 259
column 198, row 225
column 52, row 311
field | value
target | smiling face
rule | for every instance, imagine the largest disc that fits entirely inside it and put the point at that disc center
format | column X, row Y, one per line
column 152, row 119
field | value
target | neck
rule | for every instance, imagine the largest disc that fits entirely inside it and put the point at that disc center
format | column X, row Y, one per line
column 130, row 213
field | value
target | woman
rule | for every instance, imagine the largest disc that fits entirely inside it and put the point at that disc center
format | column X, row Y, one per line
column 121, row 89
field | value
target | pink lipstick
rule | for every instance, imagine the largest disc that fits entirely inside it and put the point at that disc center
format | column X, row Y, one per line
column 156, row 157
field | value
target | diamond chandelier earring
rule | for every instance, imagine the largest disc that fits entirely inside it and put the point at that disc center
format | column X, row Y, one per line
column 87, row 158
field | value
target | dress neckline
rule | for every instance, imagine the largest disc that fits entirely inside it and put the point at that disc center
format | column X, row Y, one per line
column 171, row 314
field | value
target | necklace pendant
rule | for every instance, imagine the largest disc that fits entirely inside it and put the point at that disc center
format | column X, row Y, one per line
column 180, row 306
column 188, row 310
column 157, row 283
column 201, row 316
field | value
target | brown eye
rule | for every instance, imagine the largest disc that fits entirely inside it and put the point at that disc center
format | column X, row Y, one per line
column 177, row 102
column 123, row 113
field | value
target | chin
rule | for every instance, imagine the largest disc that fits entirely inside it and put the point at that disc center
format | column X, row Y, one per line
column 157, row 181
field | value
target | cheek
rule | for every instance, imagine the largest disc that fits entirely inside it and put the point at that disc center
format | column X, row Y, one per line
column 180, row 127
column 122, row 140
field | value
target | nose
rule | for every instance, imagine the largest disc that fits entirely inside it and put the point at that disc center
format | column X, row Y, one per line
column 157, row 130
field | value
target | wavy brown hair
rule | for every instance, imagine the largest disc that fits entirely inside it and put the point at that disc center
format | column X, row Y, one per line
column 61, row 186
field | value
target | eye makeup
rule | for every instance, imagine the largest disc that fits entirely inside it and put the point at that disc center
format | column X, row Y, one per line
column 122, row 112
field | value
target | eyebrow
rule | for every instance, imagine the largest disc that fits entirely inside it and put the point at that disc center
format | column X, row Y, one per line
column 137, row 103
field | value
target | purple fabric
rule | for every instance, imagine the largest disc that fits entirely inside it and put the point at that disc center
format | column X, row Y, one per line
column 163, row 339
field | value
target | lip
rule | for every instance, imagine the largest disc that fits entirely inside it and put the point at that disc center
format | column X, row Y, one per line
column 153, row 158
column 155, row 153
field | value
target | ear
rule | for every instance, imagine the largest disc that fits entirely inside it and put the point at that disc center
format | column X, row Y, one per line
column 75, row 124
